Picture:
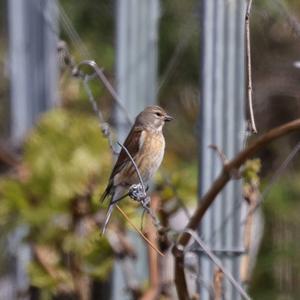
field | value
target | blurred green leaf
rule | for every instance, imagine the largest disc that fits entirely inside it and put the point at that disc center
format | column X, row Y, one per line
column 63, row 157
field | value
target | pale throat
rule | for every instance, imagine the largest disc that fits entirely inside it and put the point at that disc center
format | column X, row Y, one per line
column 157, row 129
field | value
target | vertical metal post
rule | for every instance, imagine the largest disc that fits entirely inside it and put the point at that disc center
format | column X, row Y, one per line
column 33, row 87
column 222, row 124
column 33, row 67
column 136, row 70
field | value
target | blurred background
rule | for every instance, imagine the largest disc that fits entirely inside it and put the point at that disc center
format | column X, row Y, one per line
column 188, row 57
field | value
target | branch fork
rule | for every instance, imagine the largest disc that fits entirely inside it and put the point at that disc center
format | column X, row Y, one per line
column 234, row 173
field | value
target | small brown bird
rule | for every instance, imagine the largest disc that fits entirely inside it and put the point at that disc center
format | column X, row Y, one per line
column 146, row 144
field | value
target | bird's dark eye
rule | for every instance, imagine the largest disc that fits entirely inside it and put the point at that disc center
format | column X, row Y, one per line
column 158, row 114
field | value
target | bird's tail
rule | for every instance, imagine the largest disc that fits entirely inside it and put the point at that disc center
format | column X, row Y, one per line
column 108, row 214
column 109, row 190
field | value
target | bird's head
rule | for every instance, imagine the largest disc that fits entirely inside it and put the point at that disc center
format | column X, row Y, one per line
column 153, row 117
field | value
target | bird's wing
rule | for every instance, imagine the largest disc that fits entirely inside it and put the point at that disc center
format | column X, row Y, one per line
column 132, row 144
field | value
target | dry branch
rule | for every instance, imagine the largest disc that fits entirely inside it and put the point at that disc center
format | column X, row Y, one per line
column 217, row 186
column 252, row 126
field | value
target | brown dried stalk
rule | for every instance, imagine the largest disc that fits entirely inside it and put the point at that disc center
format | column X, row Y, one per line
column 252, row 126
column 154, row 275
column 138, row 230
column 218, row 284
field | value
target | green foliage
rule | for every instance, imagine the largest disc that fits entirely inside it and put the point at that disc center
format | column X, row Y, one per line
column 277, row 271
column 181, row 180
column 54, row 196
column 251, row 171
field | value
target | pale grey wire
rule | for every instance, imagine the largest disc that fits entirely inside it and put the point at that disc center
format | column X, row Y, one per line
column 185, row 38
column 278, row 173
column 67, row 24
column 74, row 36
column 174, row 60
column 292, row 19
column 107, row 84
column 85, row 53
column 102, row 124
column 77, row 43
column 49, row 19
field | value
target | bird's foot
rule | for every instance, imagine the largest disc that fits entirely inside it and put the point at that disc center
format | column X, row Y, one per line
column 137, row 192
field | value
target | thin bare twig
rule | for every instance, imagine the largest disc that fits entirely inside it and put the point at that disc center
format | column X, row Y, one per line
column 219, row 152
column 139, row 231
column 252, row 126
column 218, row 263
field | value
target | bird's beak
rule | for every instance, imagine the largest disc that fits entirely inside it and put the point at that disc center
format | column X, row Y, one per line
column 168, row 118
